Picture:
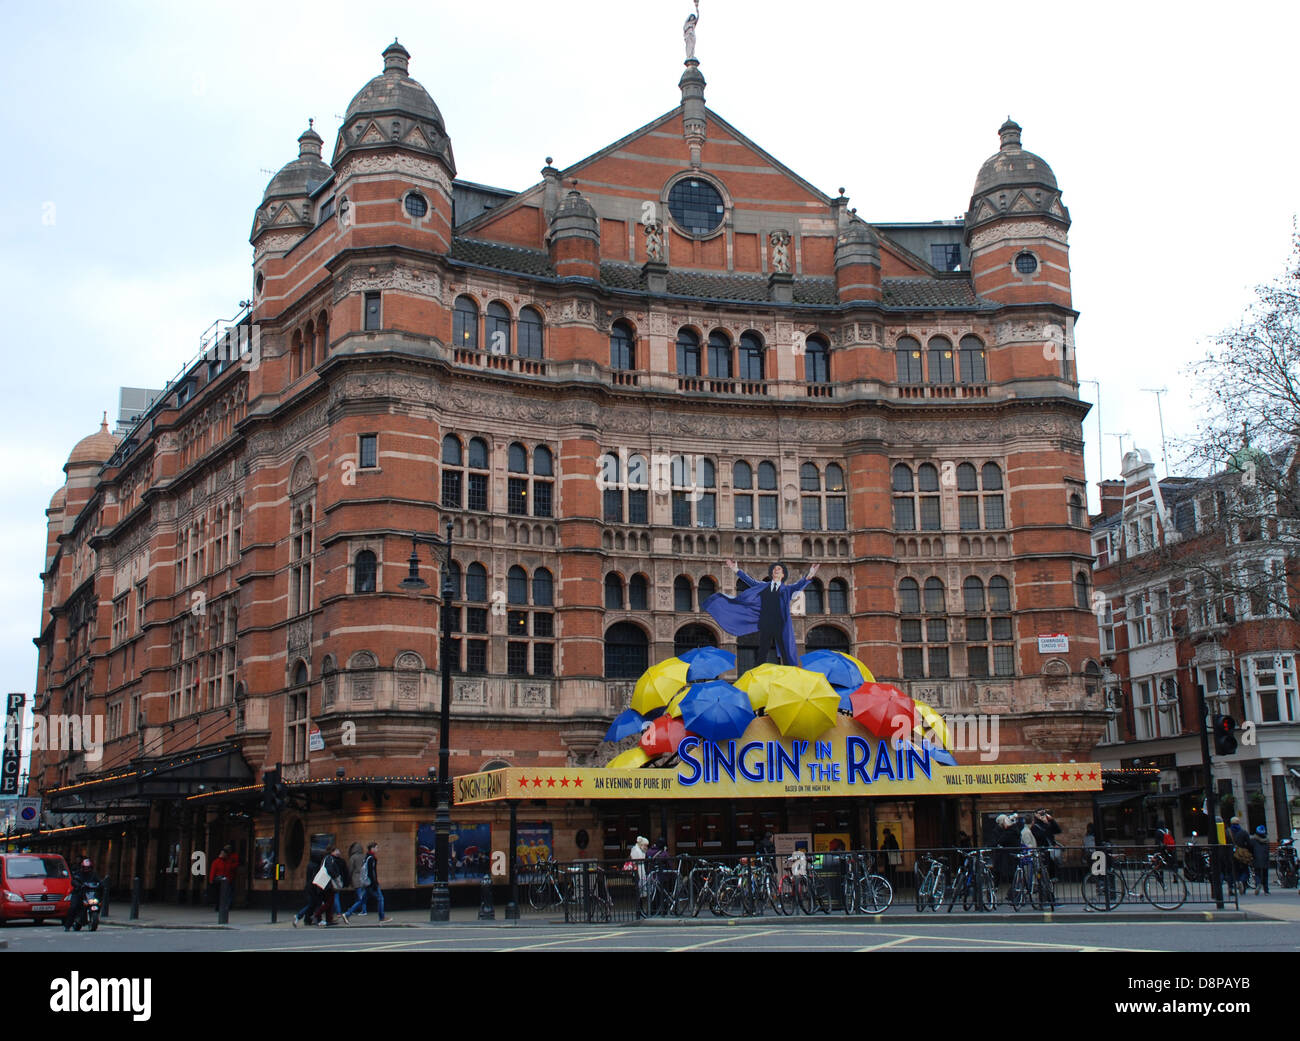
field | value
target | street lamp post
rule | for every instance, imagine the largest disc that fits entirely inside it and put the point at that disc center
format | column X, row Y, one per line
column 440, row 905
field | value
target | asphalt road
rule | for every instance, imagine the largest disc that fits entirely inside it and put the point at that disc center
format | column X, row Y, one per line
column 1046, row 937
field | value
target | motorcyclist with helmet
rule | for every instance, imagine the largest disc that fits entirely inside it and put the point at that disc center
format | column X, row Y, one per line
column 81, row 875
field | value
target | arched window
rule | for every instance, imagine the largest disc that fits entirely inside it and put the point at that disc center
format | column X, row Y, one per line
column 454, row 579
column 530, row 333
column 983, row 631
column 934, row 598
column 478, row 482
column 497, row 328
column 453, row 478
column 613, row 592
column 742, row 475
column 766, row 476
column 939, row 360
column 682, row 598
column 300, row 675
column 826, row 638
column 543, row 588
column 907, row 358
column 688, row 353
column 999, row 593
column 517, row 585
column 518, row 459
column 837, row 592
column 909, row 596
column 1078, row 517
column 543, row 465
column 365, row 571
column 476, row 584
column 638, row 593
column 622, row 346
column 814, row 598
column 995, row 514
column 834, row 477
column 971, row 360
column 902, row 478
column 689, row 637
column 707, row 588
column 967, row 478
column 927, row 478
column 627, row 651
column 719, row 355
column 751, row 356
column 816, row 361
column 1091, row 679
column 973, row 594
column 464, row 331
column 1081, row 592
column 992, row 477
column 908, row 508
column 810, row 479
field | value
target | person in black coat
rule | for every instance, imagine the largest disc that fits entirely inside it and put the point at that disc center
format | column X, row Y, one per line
column 1007, row 841
column 1259, row 850
column 1044, row 829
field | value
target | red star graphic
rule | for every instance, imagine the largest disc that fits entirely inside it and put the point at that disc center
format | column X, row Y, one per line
column 564, row 782
column 1092, row 775
column 1065, row 777
column 1078, row 776
column 523, row 782
column 1051, row 777
column 577, row 782
column 537, row 782
column 550, row 782
column 1038, row 777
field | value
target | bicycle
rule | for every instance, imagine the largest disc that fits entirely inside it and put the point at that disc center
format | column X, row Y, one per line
column 863, row 889
column 975, row 884
column 1160, row 885
column 931, row 883
column 801, row 887
column 1031, row 882
column 546, row 890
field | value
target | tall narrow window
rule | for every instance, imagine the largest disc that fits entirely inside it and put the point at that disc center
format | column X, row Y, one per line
column 464, row 325
column 622, row 346
column 478, row 476
column 682, row 594
column 453, row 476
column 372, row 312
column 530, row 333
column 369, row 451
column 907, row 360
column 742, row 481
column 816, row 361
column 496, row 328
column 768, row 511
column 719, row 355
column 939, row 360
column 751, row 356
column 971, row 360
column 688, row 353
column 638, row 593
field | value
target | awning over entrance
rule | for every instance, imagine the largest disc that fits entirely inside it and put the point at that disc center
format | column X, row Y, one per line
column 132, row 789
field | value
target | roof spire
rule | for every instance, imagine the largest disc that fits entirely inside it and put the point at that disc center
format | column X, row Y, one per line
column 692, row 87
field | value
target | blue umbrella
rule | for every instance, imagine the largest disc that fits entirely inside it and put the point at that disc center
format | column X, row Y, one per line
column 707, row 663
column 938, row 754
column 628, row 722
column 716, row 710
column 840, row 671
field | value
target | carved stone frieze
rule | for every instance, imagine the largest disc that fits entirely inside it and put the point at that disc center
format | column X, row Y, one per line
column 395, row 277
column 400, row 163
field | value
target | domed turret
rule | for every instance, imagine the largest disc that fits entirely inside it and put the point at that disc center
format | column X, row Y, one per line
column 286, row 201
column 393, row 109
column 574, row 238
column 1016, row 228
column 95, row 449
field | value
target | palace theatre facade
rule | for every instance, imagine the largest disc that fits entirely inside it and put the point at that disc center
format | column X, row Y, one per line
column 669, row 353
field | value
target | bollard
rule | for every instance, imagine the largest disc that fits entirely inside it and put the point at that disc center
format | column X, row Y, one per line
column 487, row 911
column 135, row 898
column 223, row 902
column 512, row 911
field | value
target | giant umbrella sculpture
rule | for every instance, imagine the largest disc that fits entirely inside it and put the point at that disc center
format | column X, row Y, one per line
column 844, row 673
column 707, row 663
column 658, row 686
column 716, row 710
column 802, row 704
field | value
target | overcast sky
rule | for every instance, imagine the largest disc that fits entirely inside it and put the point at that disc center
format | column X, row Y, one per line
column 139, row 137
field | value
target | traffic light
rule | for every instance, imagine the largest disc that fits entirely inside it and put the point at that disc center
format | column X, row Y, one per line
column 1225, row 738
column 272, row 790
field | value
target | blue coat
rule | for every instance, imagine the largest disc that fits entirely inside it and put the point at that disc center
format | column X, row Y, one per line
column 738, row 614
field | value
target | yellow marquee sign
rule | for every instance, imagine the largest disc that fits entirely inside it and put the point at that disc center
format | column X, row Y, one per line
column 848, row 765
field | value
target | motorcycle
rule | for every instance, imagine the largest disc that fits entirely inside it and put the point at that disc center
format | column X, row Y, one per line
column 88, row 913
column 1288, row 868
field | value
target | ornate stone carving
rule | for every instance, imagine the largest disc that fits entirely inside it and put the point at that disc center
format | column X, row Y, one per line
column 1019, row 230
column 408, row 688
column 363, row 660
column 469, row 692
column 400, row 163
column 780, row 241
column 299, row 638
column 402, row 279
column 534, row 695
column 409, row 660
column 276, row 243
column 654, row 240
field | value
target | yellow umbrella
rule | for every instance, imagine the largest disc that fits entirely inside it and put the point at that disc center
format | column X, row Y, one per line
column 658, row 685
column 754, row 683
column 932, row 721
column 629, row 760
column 801, row 703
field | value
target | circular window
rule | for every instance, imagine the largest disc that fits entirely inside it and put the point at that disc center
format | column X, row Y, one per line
column 416, row 204
column 696, row 206
column 258, row 283
column 1026, row 263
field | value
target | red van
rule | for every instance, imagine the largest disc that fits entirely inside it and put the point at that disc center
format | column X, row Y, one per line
column 34, row 885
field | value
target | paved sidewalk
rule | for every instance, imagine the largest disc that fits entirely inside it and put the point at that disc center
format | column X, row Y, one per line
column 172, row 916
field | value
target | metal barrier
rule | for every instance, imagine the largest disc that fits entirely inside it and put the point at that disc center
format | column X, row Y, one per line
column 872, row 882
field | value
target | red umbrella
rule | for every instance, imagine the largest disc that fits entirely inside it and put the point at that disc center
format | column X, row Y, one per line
column 663, row 735
column 884, row 710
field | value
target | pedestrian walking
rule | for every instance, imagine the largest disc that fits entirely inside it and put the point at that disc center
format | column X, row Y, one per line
column 225, row 867
column 356, row 857
column 1259, row 850
column 367, row 880
column 1242, row 857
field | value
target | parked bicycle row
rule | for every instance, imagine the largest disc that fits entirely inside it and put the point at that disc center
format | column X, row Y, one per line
column 871, row 882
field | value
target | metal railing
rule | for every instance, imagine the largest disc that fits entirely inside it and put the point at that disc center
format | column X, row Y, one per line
column 1005, row 880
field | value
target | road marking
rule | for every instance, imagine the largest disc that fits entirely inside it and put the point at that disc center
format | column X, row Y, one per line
column 570, row 939
column 734, row 935
column 888, row 943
